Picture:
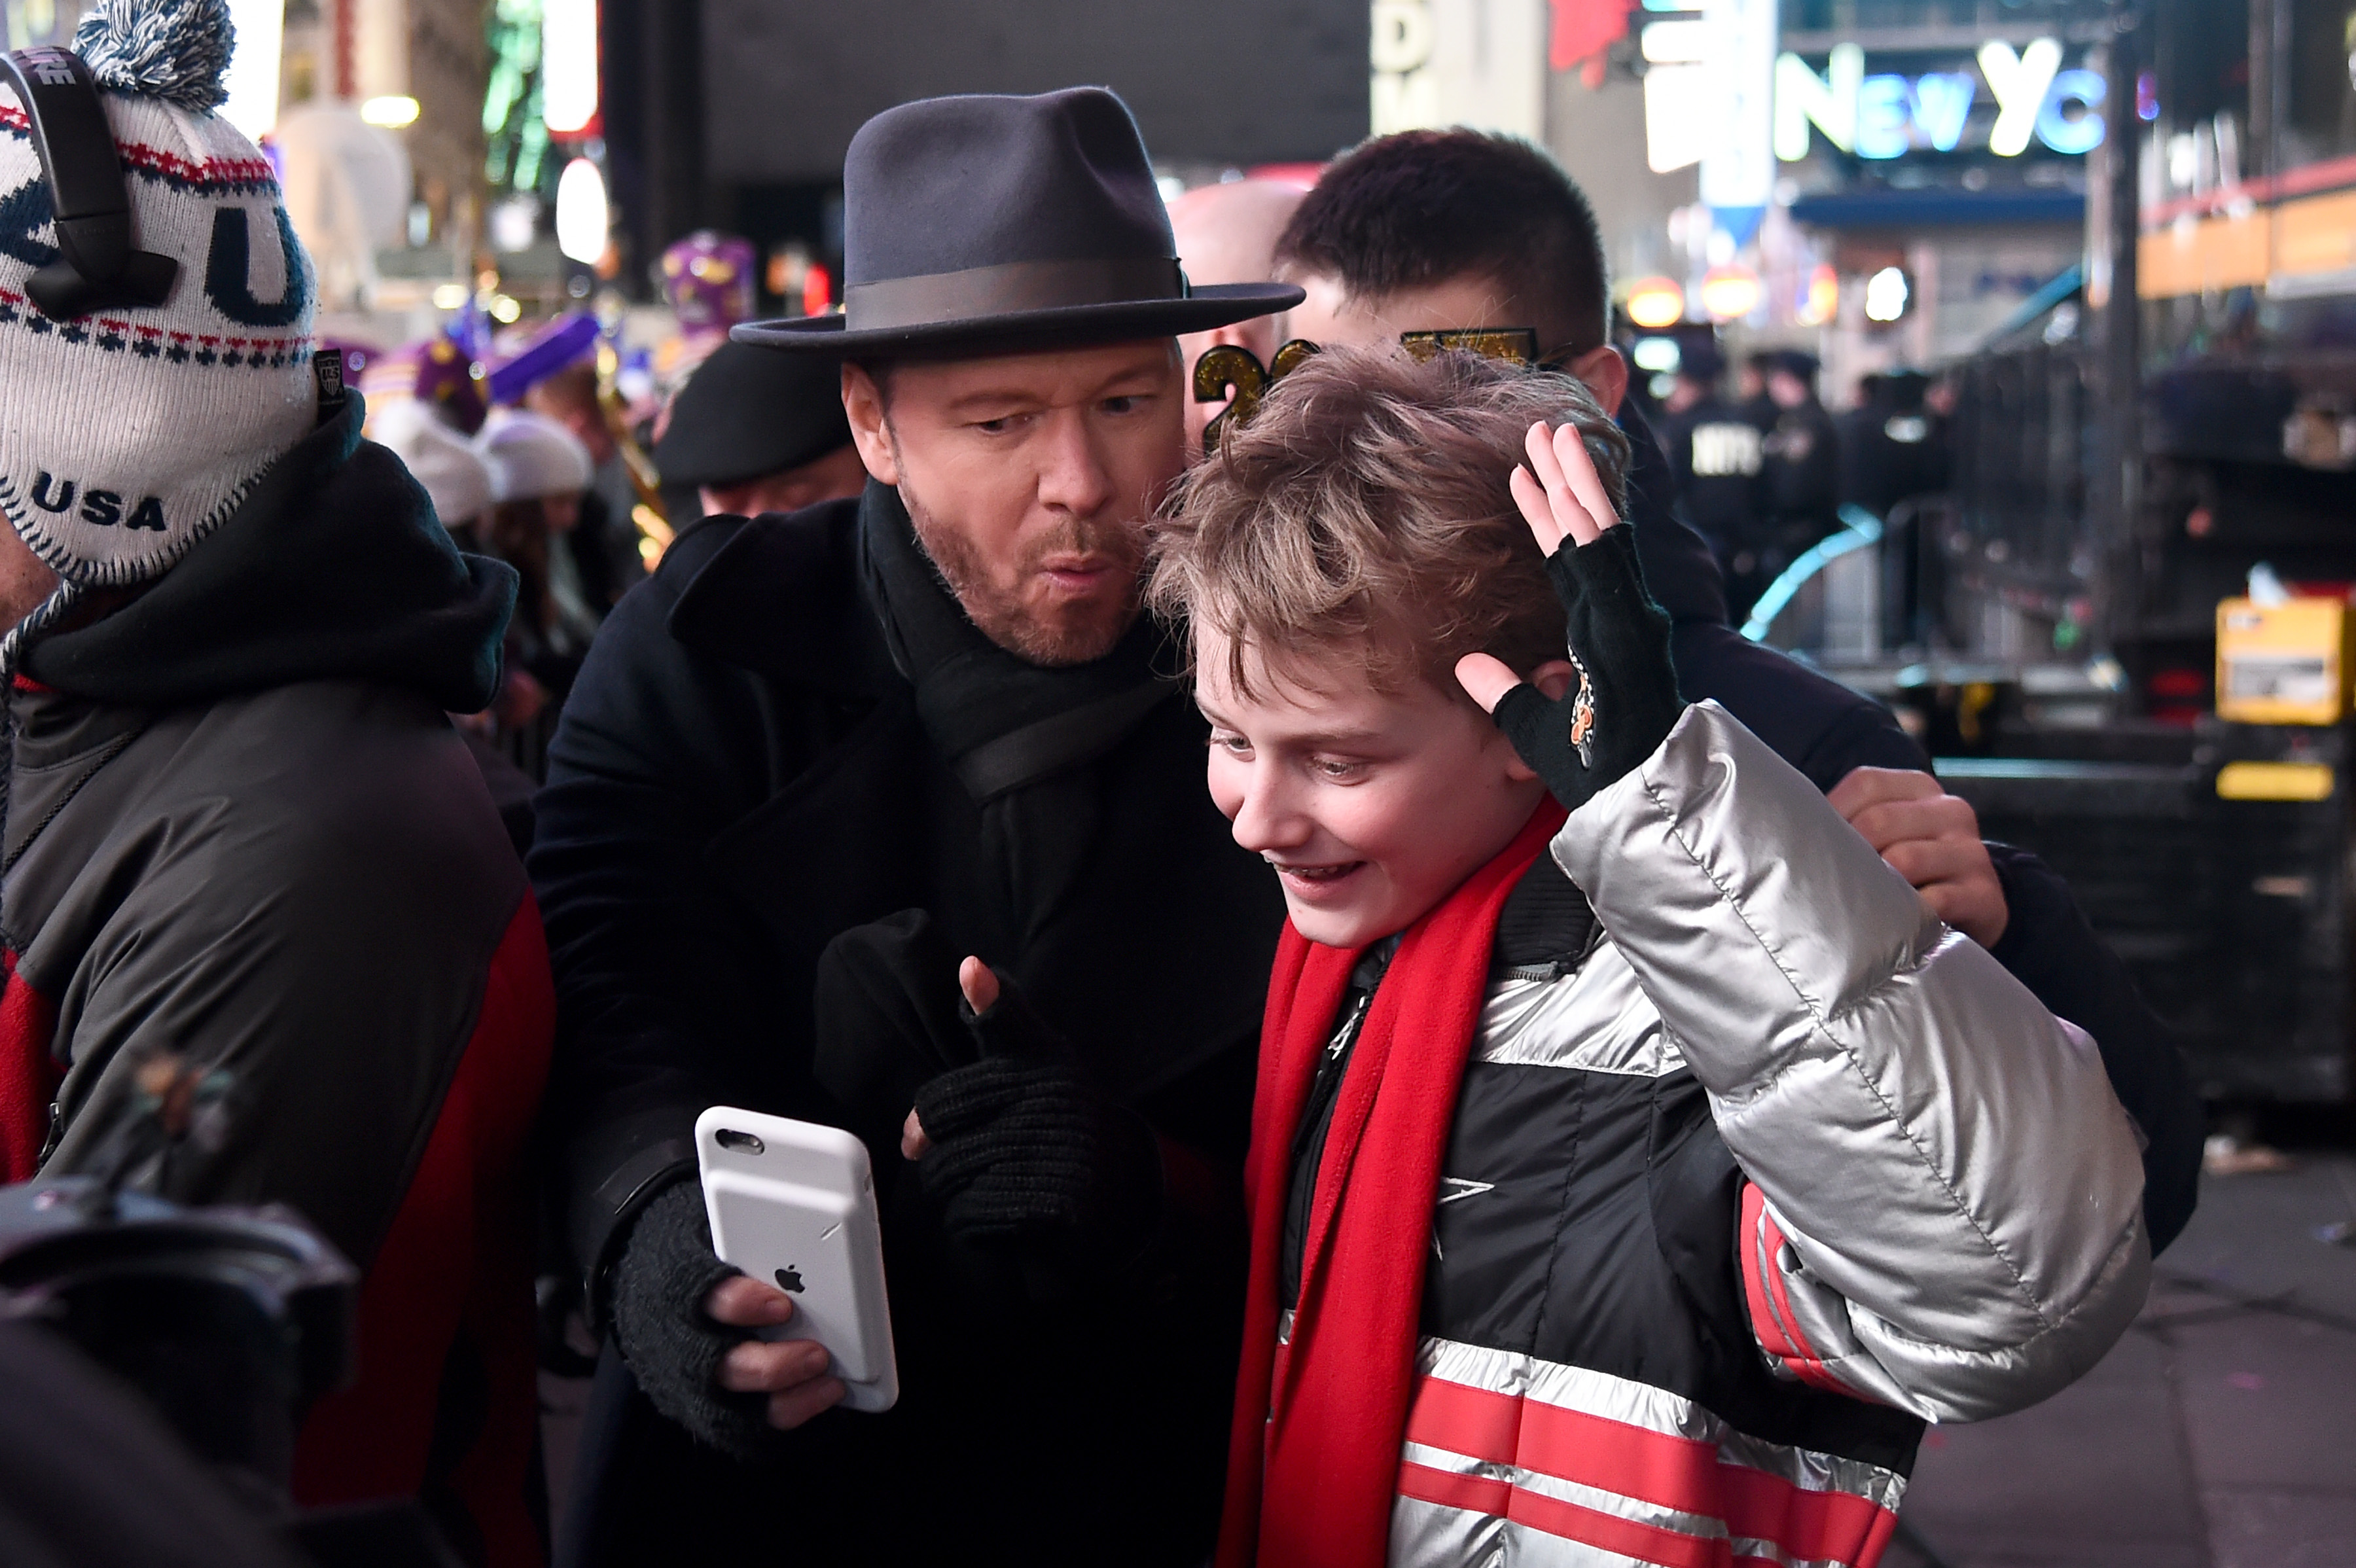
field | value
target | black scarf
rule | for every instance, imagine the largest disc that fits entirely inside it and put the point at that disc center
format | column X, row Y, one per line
column 1017, row 734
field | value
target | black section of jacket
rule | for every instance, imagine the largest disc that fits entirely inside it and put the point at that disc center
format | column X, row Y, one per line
column 741, row 775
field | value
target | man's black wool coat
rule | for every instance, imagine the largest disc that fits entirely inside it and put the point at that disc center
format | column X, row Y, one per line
column 740, row 776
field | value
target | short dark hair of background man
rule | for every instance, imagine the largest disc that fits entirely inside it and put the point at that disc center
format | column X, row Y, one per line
column 1427, row 208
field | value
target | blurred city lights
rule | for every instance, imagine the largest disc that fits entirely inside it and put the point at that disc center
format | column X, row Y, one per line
column 392, row 112
column 515, row 223
column 1729, row 292
column 1660, row 354
column 449, row 295
column 1656, row 302
column 1886, row 295
column 568, row 65
column 1821, row 301
column 581, row 219
column 253, row 75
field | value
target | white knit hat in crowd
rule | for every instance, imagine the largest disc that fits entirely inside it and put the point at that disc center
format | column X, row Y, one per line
column 455, row 478
column 127, row 434
column 532, row 456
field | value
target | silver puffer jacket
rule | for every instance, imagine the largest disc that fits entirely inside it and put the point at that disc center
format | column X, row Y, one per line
column 1740, row 1197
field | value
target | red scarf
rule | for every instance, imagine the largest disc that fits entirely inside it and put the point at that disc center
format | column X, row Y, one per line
column 1313, row 1463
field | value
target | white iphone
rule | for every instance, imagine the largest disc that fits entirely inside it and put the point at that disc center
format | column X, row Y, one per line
column 793, row 1204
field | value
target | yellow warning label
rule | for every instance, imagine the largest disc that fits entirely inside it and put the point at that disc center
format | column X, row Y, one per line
column 2274, row 781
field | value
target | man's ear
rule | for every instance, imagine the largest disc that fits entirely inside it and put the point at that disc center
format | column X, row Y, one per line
column 862, row 405
column 1605, row 373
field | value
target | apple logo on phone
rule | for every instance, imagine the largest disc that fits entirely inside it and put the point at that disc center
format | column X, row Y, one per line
column 790, row 1279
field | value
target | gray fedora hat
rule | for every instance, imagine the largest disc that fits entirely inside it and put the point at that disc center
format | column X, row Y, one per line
column 983, row 224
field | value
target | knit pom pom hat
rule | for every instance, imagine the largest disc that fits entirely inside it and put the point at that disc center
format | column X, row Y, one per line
column 532, row 456
column 456, row 478
column 126, row 435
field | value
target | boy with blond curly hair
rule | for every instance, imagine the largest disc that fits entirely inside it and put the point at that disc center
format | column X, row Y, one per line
column 1638, row 1165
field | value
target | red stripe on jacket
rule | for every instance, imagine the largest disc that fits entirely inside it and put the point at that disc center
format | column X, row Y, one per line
column 1771, row 1317
column 28, row 1074
column 455, row 1266
column 1657, row 1467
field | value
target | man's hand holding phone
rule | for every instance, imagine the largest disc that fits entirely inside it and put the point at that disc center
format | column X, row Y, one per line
column 792, row 1372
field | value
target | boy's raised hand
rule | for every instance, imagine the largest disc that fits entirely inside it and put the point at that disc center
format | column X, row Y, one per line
column 1625, row 700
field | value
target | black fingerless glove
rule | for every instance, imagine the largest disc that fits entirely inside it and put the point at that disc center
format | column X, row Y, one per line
column 1025, row 1149
column 673, row 1347
column 1625, row 702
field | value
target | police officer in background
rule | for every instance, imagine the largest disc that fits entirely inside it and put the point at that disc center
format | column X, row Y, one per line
column 1799, row 472
column 1893, row 450
column 1801, row 451
column 1716, row 454
column 1892, row 446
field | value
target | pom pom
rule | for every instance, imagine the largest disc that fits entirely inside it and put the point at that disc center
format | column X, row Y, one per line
column 173, row 49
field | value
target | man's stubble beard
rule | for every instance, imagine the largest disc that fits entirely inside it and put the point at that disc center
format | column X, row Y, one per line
column 1000, row 614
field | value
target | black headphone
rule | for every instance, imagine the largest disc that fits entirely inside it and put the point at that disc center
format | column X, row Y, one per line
column 97, row 267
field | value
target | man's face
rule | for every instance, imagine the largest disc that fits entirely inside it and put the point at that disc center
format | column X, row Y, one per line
column 1371, row 808
column 1332, row 315
column 1029, row 479
column 1788, row 389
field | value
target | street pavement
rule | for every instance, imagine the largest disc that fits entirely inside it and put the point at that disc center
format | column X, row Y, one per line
column 2220, row 1433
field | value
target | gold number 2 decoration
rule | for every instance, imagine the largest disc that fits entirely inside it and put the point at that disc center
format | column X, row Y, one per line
column 1225, row 366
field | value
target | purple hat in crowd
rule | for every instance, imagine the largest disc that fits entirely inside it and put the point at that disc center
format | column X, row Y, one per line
column 439, row 374
column 708, row 278
column 559, row 346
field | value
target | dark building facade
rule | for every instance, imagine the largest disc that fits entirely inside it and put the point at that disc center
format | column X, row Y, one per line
column 736, row 113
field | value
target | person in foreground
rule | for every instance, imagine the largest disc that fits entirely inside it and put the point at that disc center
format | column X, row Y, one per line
column 1636, row 1162
column 244, row 846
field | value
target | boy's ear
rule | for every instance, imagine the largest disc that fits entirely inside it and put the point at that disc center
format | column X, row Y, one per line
column 1555, row 678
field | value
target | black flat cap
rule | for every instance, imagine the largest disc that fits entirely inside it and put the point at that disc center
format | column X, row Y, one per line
column 745, row 413
column 985, row 224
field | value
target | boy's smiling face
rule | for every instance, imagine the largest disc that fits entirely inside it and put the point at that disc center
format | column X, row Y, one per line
column 1371, row 807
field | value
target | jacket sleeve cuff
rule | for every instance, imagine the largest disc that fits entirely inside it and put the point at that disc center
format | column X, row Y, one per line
column 624, row 1166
